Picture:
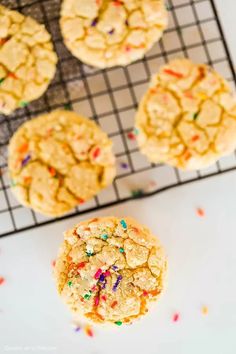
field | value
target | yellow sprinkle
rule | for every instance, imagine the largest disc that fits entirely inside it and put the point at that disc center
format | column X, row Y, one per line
column 204, row 310
column 202, row 95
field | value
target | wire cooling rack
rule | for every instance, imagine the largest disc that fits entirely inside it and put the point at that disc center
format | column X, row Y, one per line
column 111, row 98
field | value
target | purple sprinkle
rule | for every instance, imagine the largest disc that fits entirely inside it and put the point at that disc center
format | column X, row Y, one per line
column 118, row 280
column 114, row 267
column 104, row 284
column 77, row 329
column 25, row 160
column 124, row 165
column 111, row 31
column 102, row 277
column 94, row 22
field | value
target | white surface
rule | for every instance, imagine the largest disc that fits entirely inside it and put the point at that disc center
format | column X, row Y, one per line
column 202, row 271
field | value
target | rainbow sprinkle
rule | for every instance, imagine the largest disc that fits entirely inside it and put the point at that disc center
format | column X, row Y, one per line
column 118, row 280
column 118, row 323
column 204, row 310
column 104, row 237
column 175, row 317
column 2, row 280
column 195, row 115
column 23, row 104
column 123, row 224
column 88, row 330
column 70, row 283
column 200, row 212
column 25, row 160
column 121, row 249
column 98, row 273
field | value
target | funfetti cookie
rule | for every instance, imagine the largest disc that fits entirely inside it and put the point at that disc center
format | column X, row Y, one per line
column 187, row 118
column 105, row 33
column 58, row 161
column 27, row 60
column 109, row 270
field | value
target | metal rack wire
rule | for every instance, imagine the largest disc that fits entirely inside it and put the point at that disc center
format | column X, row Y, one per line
column 111, row 97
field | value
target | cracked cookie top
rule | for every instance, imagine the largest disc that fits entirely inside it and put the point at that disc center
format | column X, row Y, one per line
column 105, row 33
column 110, row 269
column 187, row 118
column 27, row 60
column 58, row 161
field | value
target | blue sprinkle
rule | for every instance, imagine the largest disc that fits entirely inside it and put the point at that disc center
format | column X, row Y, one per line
column 114, row 267
column 94, row 22
column 123, row 224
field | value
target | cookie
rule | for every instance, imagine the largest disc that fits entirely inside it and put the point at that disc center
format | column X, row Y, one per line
column 187, row 118
column 27, row 60
column 105, row 33
column 109, row 270
column 58, row 161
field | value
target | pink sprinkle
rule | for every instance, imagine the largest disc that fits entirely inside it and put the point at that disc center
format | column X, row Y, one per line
column 98, row 273
column 94, row 288
column 175, row 317
column 2, row 280
column 96, row 301
column 53, row 263
column 107, row 273
column 145, row 293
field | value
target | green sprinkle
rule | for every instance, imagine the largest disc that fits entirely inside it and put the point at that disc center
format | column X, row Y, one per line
column 168, row 7
column 137, row 193
column 87, row 296
column 121, row 249
column 1, row 80
column 23, row 104
column 195, row 115
column 89, row 253
column 12, row 183
column 68, row 107
column 118, row 323
column 104, row 237
column 123, row 224
column 69, row 283
column 136, row 131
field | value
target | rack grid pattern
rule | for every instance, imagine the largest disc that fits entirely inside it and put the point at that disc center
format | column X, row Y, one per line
column 110, row 97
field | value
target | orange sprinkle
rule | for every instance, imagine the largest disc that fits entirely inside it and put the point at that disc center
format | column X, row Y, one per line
column 81, row 265
column 12, row 75
column 187, row 155
column 188, row 94
column 2, row 280
column 154, row 292
column 100, row 317
column 23, row 148
column 81, row 201
column 173, row 73
column 3, row 41
column 175, row 317
column 53, row 263
column 200, row 212
column 113, row 305
column 204, row 310
column 52, row 171
column 27, row 180
column 88, row 330
column 117, row 3
column 195, row 138
column 153, row 90
column 96, row 152
column 68, row 258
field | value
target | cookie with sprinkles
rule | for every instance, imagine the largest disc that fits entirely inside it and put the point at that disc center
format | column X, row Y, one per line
column 119, row 278
column 59, row 160
column 27, row 60
column 187, row 118
column 105, row 33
